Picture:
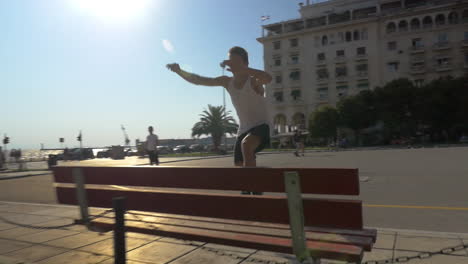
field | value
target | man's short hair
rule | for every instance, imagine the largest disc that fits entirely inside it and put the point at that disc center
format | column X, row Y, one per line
column 241, row 52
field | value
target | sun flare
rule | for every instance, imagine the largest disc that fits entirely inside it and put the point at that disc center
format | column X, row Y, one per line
column 114, row 10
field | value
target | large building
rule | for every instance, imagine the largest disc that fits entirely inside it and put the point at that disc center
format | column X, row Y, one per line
column 341, row 47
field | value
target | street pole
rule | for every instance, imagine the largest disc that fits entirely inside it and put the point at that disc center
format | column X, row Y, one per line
column 224, row 106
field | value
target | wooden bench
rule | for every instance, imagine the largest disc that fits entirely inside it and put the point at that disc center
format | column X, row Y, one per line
column 321, row 227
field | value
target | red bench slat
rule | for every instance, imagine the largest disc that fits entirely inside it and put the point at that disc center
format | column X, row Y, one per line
column 313, row 180
column 333, row 213
column 326, row 250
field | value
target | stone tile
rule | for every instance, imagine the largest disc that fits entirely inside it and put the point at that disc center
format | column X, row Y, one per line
column 443, row 259
column 385, row 241
column 378, row 254
column 11, row 245
column 428, row 234
column 77, row 241
column 75, row 257
column 183, row 242
column 18, row 231
column 159, row 252
column 27, row 219
column 60, row 212
column 230, row 248
column 111, row 261
column 8, row 260
column 5, row 226
column 21, row 208
column 137, row 235
column 269, row 256
column 106, row 247
column 210, row 256
column 46, row 235
column 36, row 253
column 426, row 244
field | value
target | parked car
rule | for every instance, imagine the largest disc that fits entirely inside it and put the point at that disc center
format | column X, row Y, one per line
column 181, row 149
column 131, row 153
column 162, row 150
column 103, row 154
column 197, row 148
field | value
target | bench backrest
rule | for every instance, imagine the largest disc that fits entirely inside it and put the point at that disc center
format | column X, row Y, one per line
column 335, row 213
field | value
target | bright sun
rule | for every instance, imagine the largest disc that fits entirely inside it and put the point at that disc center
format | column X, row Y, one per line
column 115, row 10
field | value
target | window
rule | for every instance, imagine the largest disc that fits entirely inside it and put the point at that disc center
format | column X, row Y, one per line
column 361, row 68
column 453, row 18
column 349, row 36
column 466, row 59
column 295, row 75
column 465, row 16
column 440, row 20
column 321, row 56
column 417, row 43
column 342, row 90
column 278, row 96
column 393, row 66
column 356, row 35
column 364, row 34
column 294, row 59
column 392, row 45
column 324, row 40
column 296, row 94
column 277, row 45
column 419, row 82
column 442, row 37
column 322, row 74
column 363, row 86
column 427, row 22
column 278, row 79
column 323, row 93
column 443, row 61
column 391, row 27
column 340, row 53
column 340, row 37
column 341, row 71
column 277, row 61
column 466, row 35
column 361, row 51
column 317, row 42
column 293, row 43
column 332, row 39
column 403, row 26
column 415, row 24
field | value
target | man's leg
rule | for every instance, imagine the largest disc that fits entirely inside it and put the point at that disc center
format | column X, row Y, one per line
column 249, row 144
column 156, row 157
column 149, row 156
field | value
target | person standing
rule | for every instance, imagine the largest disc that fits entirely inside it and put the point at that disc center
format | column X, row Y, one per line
column 151, row 146
column 299, row 143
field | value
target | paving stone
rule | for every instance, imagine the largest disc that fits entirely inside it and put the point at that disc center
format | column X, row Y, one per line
column 46, row 235
column 443, row 259
column 76, row 241
column 426, row 244
column 106, row 247
column 74, row 257
column 159, row 252
column 7, row 245
column 36, row 253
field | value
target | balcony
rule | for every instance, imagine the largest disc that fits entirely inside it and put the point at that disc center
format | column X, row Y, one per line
column 421, row 69
column 321, row 62
column 362, row 74
column 443, row 45
column 464, row 43
column 418, row 59
column 322, row 79
column 361, row 57
column 341, row 78
column 443, row 67
column 417, row 49
column 340, row 59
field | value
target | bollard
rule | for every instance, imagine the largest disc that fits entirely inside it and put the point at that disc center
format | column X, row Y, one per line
column 119, row 230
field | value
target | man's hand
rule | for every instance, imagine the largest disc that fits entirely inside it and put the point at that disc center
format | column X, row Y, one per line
column 174, row 67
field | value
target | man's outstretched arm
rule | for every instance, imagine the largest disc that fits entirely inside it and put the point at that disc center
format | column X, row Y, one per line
column 197, row 79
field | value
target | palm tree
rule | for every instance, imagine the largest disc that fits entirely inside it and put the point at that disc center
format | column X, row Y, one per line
column 215, row 122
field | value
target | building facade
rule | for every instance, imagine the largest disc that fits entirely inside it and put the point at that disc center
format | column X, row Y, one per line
column 341, row 47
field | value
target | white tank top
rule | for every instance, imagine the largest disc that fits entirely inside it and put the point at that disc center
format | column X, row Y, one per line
column 250, row 106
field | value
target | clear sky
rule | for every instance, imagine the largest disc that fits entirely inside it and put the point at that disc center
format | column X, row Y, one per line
column 67, row 65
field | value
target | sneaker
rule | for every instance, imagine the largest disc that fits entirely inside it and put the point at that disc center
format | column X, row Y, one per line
column 246, row 193
column 257, row 193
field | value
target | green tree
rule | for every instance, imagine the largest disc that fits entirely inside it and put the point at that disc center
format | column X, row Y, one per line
column 395, row 104
column 357, row 112
column 323, row 123
column 215, row 122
